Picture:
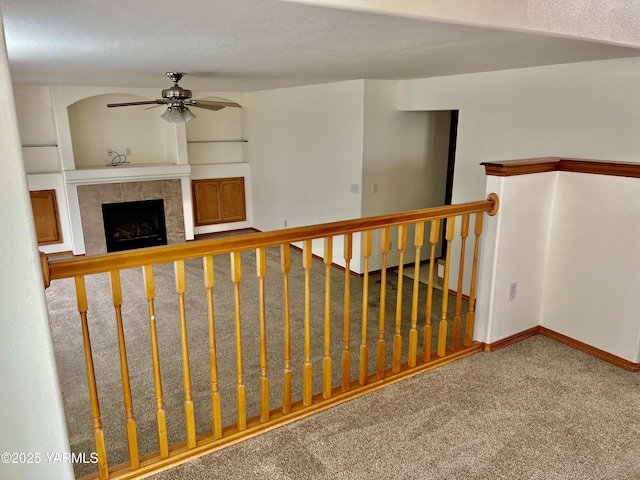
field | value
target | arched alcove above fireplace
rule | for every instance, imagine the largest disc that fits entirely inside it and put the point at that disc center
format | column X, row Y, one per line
column 137, row 132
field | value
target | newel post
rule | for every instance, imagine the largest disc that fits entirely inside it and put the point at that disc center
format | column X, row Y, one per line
column 46, row 274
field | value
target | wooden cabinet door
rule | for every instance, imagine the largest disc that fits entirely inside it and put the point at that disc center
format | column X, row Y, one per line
column 218, row 200
column 233, row 207
column 206, row 202
column 45, row 215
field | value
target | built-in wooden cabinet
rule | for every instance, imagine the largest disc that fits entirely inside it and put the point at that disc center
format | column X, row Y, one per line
column 45, row 214
column 218, row 200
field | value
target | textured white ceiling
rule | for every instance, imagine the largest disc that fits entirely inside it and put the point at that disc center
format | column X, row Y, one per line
column 246, row 45
column 608, row 21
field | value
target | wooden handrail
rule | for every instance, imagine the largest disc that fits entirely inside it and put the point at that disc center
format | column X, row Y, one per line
column 525, row 166
column 88, row 265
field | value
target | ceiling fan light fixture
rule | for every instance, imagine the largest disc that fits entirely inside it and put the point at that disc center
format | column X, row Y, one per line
column 188, row 116
column 178, row 114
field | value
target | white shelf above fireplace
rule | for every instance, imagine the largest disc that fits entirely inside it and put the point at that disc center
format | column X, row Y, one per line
column 126, row 173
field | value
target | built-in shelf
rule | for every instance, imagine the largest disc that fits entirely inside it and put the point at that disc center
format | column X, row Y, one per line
column 126, row 173
column 124, row 165
column 39, row 146
column 217, row 141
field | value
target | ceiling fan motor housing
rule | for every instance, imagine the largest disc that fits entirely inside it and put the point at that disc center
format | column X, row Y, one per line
column 176, row 93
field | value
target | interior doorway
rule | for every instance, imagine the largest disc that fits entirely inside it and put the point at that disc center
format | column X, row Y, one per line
column 451, row 161
column 451, row 156
column 441, row 138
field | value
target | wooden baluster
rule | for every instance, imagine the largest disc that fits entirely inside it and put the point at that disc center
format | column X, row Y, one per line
column 161, row 420
column 457, row 319
column 236, row 277
column 413, row 332
column 285, row 266
column 428, row 330
column 397, row 338
column 216, row 409
column 382, row 345
column 346, row 353
column 468, row 334
column 364, row 349
column 326, row 359
column 261, row 271
column 98, row 433
column 132, row 435
column 306, row 367
column 181, row 287
column 442, row 332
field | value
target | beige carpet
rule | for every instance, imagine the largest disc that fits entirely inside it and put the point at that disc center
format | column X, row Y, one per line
column 534, row 410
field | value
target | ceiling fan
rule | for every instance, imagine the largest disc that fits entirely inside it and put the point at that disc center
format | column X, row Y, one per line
column 178, row 100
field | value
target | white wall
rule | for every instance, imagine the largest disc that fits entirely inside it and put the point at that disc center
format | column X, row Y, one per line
column 583, row 110
column 593, row 266
column 31, row 411
column 35, row 115
column 395, row 154
column 405, row 156
column 515, row 247
column 307, row 145
column 305, row 151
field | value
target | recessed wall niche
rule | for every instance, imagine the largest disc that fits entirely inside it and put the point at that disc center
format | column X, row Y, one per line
column 37, row 129
column 216, row 136
column 95, row 128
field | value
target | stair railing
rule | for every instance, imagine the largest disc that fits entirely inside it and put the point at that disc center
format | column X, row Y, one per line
column 394, row 337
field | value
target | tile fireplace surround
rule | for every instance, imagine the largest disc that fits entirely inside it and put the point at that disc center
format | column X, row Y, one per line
column 91, row 198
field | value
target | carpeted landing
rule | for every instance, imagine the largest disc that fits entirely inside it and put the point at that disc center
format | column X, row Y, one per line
column 533, row 410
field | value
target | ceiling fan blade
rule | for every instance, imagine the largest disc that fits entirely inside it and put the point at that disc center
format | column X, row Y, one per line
column 213, row 104
column 128, row 104
column 208, row 107
column 155, row 106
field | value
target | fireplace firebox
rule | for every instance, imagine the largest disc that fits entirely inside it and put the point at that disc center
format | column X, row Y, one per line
column 131, row 225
